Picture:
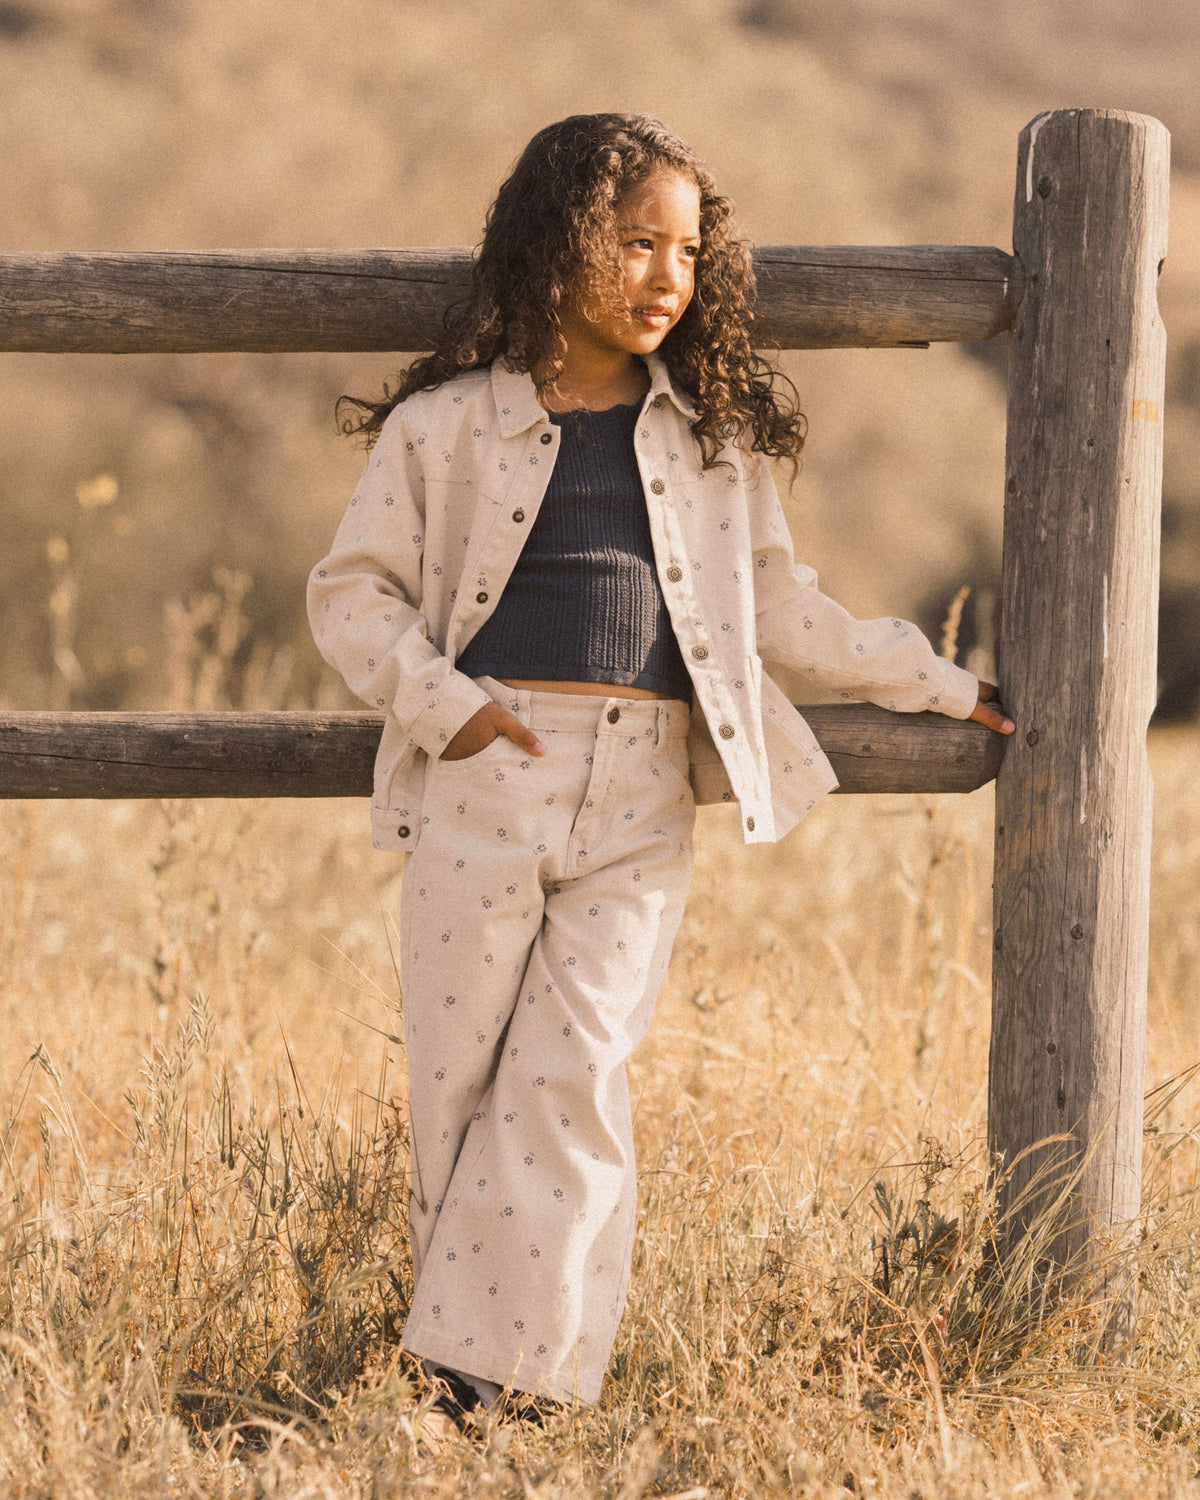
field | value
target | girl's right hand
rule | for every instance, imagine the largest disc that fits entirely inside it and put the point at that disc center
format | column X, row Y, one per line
column 988, row 711
column 483, row 727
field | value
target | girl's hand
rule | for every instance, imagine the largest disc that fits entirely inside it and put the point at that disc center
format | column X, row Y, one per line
column 993, row 716
column 483, row 727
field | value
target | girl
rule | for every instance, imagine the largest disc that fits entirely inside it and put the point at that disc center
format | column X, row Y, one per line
column 560, row 577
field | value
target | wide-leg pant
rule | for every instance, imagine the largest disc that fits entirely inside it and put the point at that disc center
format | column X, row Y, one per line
column 538, row 912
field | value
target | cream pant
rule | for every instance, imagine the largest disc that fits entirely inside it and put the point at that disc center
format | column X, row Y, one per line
column 538, row 912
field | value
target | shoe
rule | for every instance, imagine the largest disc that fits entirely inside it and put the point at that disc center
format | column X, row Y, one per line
column 457, row 1399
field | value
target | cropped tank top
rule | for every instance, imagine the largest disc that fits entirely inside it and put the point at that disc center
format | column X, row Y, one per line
column 584, row 603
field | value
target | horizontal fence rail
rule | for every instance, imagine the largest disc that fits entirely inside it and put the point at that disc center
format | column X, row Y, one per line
column 332, row 754
column 222, row 301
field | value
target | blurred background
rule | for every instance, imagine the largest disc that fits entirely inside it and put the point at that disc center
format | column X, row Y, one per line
column 160, row 514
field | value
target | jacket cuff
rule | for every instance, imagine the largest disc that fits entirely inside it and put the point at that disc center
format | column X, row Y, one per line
column 959, row 691
column 455, row 701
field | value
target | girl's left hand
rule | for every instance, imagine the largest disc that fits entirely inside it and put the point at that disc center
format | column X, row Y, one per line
column 988, row 710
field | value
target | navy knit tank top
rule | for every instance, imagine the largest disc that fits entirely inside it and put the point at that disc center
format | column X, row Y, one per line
column 584, row 603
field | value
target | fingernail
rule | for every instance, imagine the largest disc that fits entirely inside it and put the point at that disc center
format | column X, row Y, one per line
column 1009, row 726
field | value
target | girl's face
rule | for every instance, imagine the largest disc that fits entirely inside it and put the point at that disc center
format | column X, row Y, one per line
column 658, row 224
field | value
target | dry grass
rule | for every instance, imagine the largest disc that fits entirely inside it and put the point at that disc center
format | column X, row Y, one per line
column 201, row 1118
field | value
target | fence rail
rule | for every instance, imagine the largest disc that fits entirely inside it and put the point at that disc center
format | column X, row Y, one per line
column 332, row 754
column 135, row 302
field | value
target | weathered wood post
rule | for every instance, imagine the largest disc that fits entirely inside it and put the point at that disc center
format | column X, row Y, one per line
column 1077, row 672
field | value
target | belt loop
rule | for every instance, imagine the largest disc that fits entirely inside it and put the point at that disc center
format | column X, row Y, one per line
column 664, row 724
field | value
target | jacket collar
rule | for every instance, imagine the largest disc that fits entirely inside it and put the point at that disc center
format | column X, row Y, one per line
column 518, row 408
column 661, row 384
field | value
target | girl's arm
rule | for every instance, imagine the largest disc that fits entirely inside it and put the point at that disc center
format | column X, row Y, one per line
column 885, row 661
column 364, row 601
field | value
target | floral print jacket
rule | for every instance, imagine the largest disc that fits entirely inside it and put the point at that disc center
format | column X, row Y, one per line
column 437, row 522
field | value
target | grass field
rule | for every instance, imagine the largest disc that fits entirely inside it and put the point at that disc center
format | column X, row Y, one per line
column 201, row 1181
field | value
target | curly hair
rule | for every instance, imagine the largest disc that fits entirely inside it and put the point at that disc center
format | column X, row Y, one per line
column 553, row 232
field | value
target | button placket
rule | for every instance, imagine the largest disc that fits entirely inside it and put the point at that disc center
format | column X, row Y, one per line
column 499, row 545
column 711, row 699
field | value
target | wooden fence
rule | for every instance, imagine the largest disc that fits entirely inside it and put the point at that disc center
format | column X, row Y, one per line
column 1079, row 592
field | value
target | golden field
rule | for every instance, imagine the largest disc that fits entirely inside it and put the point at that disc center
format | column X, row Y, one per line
column 202, row 1139
column 203, row 1148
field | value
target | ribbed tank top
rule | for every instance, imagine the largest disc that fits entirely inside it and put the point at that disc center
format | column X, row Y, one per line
column 584, row 603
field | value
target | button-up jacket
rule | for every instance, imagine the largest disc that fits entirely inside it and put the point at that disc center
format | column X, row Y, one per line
column 437, row 522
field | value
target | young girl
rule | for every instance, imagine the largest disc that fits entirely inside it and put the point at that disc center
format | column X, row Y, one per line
column 560, row 577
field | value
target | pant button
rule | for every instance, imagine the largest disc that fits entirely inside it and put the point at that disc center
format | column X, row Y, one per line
column 613, row 715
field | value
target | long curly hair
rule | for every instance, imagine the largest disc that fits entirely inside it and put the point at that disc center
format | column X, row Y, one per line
column 553, row 232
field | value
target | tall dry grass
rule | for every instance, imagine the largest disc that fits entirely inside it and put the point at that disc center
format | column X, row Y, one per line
column 202, row 1145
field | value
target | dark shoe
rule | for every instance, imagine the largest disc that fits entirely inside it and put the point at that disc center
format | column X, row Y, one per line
column 457, row 1398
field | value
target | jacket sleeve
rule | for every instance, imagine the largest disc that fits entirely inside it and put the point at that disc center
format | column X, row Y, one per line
column 364, row 600
column 885, row 661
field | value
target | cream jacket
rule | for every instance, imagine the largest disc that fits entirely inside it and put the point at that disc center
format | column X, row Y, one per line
column 437, row 522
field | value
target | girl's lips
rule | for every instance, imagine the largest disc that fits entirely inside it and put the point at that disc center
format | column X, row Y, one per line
column 653, row 314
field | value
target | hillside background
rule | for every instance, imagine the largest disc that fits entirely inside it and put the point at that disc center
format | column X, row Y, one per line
column 161, row 513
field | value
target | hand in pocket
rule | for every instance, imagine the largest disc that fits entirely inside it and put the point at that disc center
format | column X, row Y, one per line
column 486, row 725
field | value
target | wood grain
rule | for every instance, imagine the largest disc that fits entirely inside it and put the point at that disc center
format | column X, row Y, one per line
column 1077, row 667
column 134, row 302
column 332, row 754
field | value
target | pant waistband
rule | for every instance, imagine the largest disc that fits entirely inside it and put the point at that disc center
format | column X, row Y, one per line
column 591, row 713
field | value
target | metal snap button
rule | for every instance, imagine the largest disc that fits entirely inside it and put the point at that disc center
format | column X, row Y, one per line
column 403, row 830
column 657, row 486
column 727, row 731
column 674, row 573
column 547, row 438
column 613, row 715
column 518, row 515
column 699, row 652
column 480, row 598
column 750, row 825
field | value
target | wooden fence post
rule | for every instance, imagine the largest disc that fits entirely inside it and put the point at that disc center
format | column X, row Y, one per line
column 1077, row 672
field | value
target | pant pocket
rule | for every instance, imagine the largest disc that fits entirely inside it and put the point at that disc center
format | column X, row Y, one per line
column 491, row 751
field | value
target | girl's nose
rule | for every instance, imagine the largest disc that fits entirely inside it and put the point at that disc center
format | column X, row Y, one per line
column 670, row 274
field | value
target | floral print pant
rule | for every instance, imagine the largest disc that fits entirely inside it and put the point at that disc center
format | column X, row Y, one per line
column 538, row 912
